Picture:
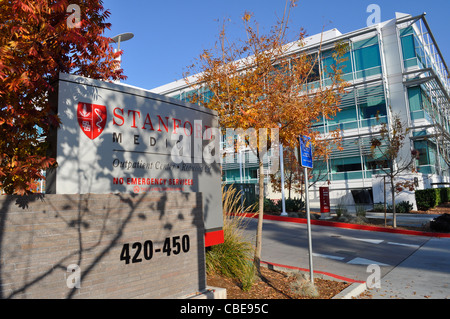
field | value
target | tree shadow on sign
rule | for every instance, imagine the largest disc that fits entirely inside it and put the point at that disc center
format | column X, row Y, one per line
column 91, row 235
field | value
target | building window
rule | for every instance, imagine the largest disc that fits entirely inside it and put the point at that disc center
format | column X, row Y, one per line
column 348, row 164
column 330, row 64
column 362, row 196
column 428, row 157
column 345, row 119
column 346, row 168
column 366, row 60
column 366, row 110
column 420, row 105
column 415, row 103
column 408, row 49
column 413, row 50
column 371, row 108
column 421, row 146
column 313, row 79
column 320, row 170
column 374, row 164
column 366, row 54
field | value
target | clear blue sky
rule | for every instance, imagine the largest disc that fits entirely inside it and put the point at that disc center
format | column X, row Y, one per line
column 169, row 35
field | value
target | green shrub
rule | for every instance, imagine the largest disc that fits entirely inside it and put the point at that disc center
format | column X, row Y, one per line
column 445, row 194
column 404, row 207
column 360, row 211
column 427, row 198
column 269, row 206
column 293, row 205
column 378, row 207
column 341, row 210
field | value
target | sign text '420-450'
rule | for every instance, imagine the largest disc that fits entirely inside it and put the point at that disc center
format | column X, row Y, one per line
column 172, row 245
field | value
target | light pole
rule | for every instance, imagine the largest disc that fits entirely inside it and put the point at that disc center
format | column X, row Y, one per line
column 306, row 161
column 121, row 38
column 283, row 200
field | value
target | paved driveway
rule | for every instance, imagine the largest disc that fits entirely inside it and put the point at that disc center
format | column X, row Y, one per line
column 338, row 251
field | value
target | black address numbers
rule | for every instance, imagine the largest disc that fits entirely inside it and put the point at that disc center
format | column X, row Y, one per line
column 137, row 252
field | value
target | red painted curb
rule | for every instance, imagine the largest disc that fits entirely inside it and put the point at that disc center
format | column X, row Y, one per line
column 315, row 271
column 349, row 226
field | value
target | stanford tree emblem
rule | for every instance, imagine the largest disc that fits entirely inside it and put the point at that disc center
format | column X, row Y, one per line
column 92, row 119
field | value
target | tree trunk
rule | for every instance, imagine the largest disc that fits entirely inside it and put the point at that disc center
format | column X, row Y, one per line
column 394, row 216
column 257, row 258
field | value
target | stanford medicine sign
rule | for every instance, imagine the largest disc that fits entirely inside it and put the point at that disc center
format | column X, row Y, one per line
column 120, row 139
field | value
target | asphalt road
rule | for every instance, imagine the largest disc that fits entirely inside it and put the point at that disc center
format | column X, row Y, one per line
column 337, row 251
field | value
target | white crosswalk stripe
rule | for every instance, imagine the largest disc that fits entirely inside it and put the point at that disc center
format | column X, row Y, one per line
column 406, row 245
column 363, row 261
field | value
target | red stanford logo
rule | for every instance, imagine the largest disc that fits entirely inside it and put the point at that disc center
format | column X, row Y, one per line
column 91, row 118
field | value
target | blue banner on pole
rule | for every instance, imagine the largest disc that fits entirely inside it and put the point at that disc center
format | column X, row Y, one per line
column 305, row 151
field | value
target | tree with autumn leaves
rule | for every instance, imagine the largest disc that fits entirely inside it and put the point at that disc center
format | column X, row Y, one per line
column 38, row 40
column 267, row 82
column 390, row 157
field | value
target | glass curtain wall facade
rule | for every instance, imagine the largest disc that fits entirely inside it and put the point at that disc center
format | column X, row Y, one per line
column 359, row 109
column 428, row 88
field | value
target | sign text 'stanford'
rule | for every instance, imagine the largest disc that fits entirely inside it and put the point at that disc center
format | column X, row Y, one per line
column 136, row 119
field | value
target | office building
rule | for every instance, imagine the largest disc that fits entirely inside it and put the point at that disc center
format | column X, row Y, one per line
column 392, row 67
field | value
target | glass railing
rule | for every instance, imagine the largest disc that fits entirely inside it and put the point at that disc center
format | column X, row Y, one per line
column 373, row 121
column 343, row 126
column 426, row 169
column 348, row 77
column 410, row 62
column 350, row 124
column 368, row 72
column 420, row 114
column 346, row 175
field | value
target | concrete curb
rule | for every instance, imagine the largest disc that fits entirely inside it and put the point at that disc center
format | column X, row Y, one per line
column 317, row 274
column 208, row 293
column 349, row 226
column 352, row 291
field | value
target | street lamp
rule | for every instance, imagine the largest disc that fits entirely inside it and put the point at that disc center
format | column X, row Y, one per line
column 121, row 38
column 283, row 200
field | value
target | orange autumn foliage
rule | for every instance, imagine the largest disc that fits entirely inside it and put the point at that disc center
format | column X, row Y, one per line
column 36, row 44
column 267, row 81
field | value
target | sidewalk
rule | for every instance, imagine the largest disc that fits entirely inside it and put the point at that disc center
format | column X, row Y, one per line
column 424, row 275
